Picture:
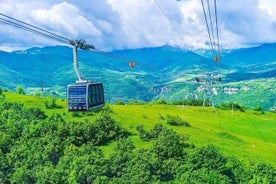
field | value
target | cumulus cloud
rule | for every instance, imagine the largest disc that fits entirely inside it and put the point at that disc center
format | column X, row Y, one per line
column 113, row 24
column 66, row 19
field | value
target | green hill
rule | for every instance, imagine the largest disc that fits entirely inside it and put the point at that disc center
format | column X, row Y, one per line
column 164, row 143
column 165, row 73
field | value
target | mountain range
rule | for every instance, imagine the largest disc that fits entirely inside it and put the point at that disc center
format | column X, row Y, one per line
column 167, row 73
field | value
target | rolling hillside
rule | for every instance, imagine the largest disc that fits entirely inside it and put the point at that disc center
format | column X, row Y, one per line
column 240, row 146
column 249, row 135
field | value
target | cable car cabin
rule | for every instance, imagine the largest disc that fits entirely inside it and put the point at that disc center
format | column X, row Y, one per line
column 85, row 96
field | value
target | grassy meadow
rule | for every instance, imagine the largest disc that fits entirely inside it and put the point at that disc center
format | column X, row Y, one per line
column 249, row 136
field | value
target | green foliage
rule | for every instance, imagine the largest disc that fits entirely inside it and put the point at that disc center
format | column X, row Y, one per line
column 139, row 168
column 180, row 102
column 158, row 102
column 152, row 134
column 237, row 171
column 120, row 102
column 263, row 173
column 176, row 121
column 82, row 164
column 50, row 103
column 107, row 129
column 106, row 109
column 37, row 149
column 196, row 102
column 136, row 103
column 168, row 145
column 100, row 132
column 37, row 94
column 259, row 109
column 122, row 154
column 143, row 135
column 209, row 158
column 39, row 146
column 1, row 91
column 205, row 165
column 231, row 106
column 203, row 175
column 19, row 90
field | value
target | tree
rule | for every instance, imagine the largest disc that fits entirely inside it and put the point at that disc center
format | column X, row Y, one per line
column 209, row 158
column 121, row 156
column 107, row 129
column 203, row 175
column 176, row 121
column 139, row 169
column 50, row 103
column 20, row 90
column 81, row 164
column 168, row 145
column 263, row 173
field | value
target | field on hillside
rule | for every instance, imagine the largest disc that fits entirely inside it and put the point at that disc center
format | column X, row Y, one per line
column 41, row 142
column 248, row 136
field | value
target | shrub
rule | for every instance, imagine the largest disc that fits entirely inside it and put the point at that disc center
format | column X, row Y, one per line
column 136, row 103
column 20, row 90
column 51, row 103
column 107, row 129
column 259, row 109
column 119, row 103
column 181, row 102
column 159, row 102
column 76, row 114
column 142, row 133
column 263, row 173
column 195, row 102
column 168, row 145
column 230, row 106
column 209, row 158
column 176, row 121
column 152, row 134
column 38, row 94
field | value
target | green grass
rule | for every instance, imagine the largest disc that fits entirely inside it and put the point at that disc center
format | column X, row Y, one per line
column 248, row 136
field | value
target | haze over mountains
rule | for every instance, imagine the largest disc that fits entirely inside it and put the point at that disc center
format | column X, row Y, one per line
column 248, row 74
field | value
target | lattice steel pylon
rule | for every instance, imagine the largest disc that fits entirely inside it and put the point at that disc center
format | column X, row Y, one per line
column 206, row 81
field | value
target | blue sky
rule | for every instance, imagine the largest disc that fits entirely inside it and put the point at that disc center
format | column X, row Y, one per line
column 127, row 24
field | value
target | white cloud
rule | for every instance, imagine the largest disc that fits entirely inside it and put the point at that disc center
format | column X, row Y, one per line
column 141, row 23
column 118, row 24
column 66, row 19
column 269, row 6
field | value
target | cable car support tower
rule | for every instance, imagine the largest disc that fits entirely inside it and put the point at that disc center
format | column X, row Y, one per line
column 206, row 86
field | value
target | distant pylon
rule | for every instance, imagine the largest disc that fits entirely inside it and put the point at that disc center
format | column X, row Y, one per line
column 206, row 81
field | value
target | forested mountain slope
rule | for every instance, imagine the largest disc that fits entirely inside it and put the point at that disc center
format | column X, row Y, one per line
column 159, row 73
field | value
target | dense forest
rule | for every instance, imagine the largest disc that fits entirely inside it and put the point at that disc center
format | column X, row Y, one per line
column 41, row 148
